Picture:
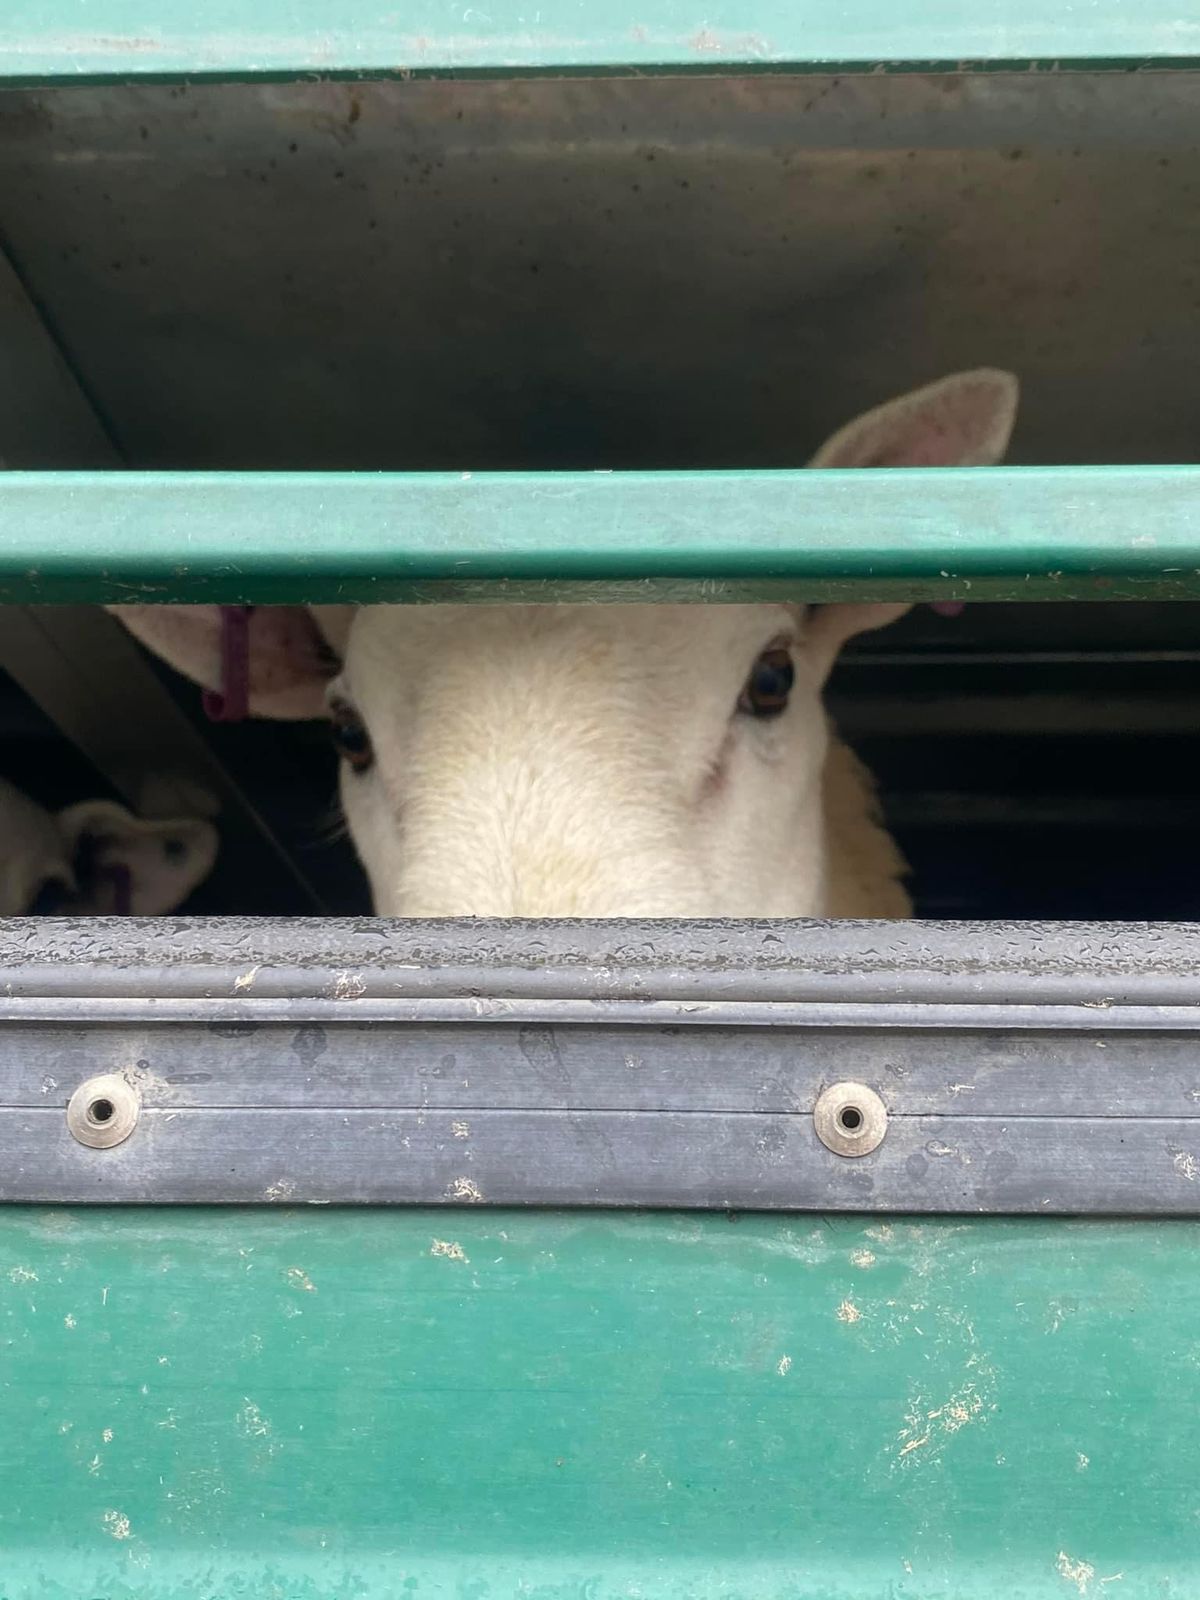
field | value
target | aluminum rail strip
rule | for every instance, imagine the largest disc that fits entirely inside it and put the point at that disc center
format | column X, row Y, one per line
column 1044, row 1068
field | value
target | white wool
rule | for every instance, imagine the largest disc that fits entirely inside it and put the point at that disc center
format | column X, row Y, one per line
column 165, row 858
column 590, row 761
column 32, row 851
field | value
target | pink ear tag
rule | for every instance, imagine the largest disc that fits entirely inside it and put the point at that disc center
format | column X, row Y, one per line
column 948, row 608
column 232, row 702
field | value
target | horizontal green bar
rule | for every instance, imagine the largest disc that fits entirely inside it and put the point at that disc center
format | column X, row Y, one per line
column 373, row 1404
column 255, row 538
column 107, row 40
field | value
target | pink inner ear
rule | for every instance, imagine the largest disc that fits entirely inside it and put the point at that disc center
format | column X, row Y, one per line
column 945, row 434
column 961, row 421
column 935, row 446
column 286, row 663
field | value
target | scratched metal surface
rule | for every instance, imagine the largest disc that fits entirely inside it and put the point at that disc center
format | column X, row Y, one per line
column 48, row 39
column 608, row 273
column 1023, row 1069
column 327, row 1403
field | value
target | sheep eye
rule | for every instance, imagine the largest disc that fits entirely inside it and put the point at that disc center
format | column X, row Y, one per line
column 769, row 684
column 351, row 738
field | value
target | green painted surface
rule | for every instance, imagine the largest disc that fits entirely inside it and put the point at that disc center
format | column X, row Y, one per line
column 339, row 1405
column 47, row 39
column 1003, row 534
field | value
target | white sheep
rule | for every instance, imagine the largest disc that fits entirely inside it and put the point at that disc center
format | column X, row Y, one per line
column 95, row 858
column 603, row 760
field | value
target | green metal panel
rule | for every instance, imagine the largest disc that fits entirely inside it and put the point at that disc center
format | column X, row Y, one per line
column 361, row 1406
column 1001, row 534
column 48, row 39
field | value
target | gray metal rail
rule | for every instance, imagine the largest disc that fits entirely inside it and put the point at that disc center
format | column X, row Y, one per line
column 1016, row 1067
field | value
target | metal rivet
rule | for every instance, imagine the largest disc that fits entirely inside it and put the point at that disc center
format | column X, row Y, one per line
column 103, row 1111
column 850, row 1119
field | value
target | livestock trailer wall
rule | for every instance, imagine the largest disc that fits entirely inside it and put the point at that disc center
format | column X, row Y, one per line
column 490, row 1259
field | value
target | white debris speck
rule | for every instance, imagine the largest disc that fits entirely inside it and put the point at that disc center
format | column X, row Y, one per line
column 1186, row 1165
column 930, row 1428
column 460, row 1129
column 1080, row 1573
column 246, row 981
column 68, row 1321
column 848, row 1312
column 252, row 1422
column 22, row 1275
column 299, row 1279
column 449, row 1248
column 117, row 1524
column 464, row 1189
column 1082, row 1462
column 107, row 1436
column 281, row 1189
column 862, row 1258
column 349, row 986
column 784, row 1367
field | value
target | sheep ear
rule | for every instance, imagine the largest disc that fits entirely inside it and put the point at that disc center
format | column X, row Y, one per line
column 125, row 863
column 830, row 627
column 33, row 856
column 965, row 420
column 287, row 661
